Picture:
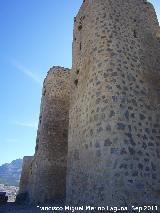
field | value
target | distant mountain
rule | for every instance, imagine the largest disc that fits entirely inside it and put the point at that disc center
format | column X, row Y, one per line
column 10, row 172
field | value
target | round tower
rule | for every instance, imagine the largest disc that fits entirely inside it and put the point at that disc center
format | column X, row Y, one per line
column 114, row 120
column 23, row 193
column 48, row 175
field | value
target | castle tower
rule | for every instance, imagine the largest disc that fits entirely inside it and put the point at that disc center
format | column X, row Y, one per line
column 48, row 175
column 114, row 120
column 24, row 180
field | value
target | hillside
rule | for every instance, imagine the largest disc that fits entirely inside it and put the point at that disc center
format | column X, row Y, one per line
column 10, row 173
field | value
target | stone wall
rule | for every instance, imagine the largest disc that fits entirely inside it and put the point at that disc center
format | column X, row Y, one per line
column 24, row 180
column 114, row 124
column 48, row 175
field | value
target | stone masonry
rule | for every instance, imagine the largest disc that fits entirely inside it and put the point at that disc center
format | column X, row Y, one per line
column 114, row 118
column 24, row 180
column 105, row 113
column 47, row 181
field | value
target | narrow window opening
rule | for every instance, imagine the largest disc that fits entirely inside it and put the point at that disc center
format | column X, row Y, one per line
column 77, row 72
column 135, row 33
column 80, row 27
column 44, row 92
column 36, row 149
column 37, row 141
column 76, row 82
column 80, row 46
column 40, row 119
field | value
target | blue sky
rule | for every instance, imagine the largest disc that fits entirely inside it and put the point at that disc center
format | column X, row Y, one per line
column 35, row 35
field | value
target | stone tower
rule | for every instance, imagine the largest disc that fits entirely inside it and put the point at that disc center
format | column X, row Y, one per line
column 24, row 180
column 114, row 120
column 48, row 175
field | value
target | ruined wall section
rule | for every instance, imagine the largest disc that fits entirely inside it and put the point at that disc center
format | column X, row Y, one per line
column 48, row 179
column 24, row 180
column 114, row 130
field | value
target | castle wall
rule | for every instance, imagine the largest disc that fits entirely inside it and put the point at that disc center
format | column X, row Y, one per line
column 25, row 176
column 114, row 119
column 48, row 175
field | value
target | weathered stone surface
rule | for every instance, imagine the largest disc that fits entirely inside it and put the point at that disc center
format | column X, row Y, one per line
column 114, row 100
column 48, row 175
column 113, row 117
column 24, row 180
